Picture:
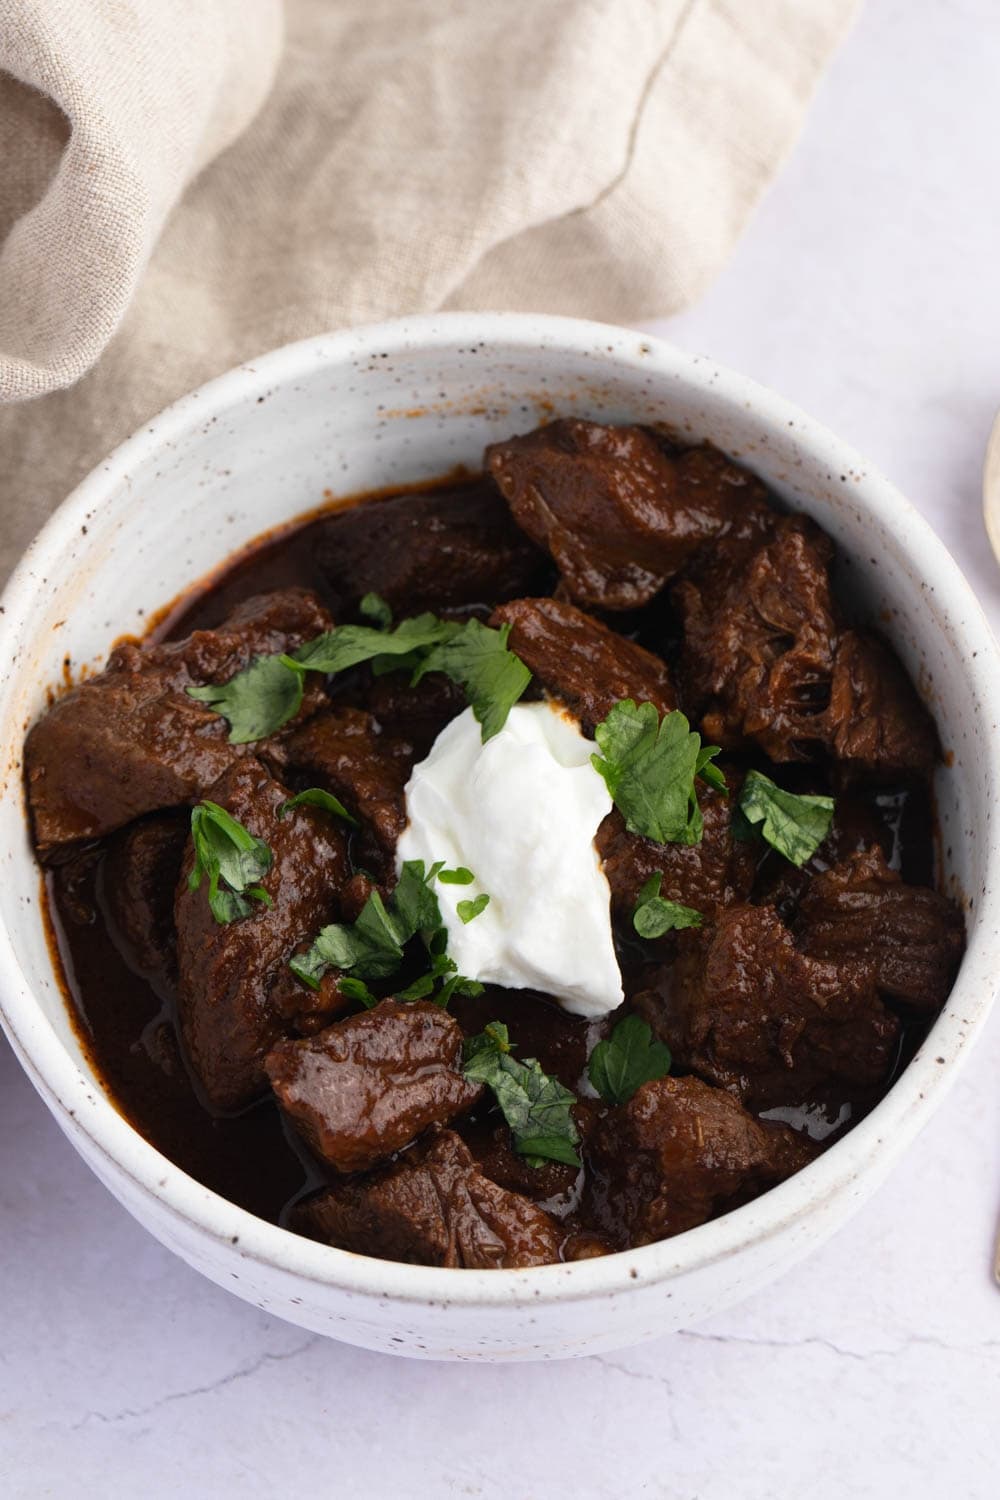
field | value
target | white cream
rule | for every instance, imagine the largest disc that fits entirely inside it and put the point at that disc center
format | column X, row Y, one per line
column 521, row 813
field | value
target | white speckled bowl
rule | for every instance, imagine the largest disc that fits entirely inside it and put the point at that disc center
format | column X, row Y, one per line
column 402, row 402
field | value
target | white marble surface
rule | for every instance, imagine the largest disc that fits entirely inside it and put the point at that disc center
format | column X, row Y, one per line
column 868, row 289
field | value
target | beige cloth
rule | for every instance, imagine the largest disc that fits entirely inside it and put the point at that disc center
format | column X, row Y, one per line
column 596, row 157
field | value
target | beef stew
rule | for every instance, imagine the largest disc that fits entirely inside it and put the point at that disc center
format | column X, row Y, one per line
column 269, row 991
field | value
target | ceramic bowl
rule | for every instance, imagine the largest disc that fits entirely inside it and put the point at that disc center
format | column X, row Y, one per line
column 382, row 406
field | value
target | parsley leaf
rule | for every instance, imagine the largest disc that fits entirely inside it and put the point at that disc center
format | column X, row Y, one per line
column 349, row 645
column 477, row 658
column 650, row 765
column 372, row 947
column 654, row 914
column 257, row 701
column 315, row 796
column 356, row 989
column 537, row 1108
column 630, row 1057
column 794, row 825
column 374, row 608
column 234, row 861
column 469, row 910
column 459, row 876
column 264, row 696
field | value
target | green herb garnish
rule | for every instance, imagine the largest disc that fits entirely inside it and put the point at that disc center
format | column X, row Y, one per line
column 263, row 697
column 234, row 861
column 356, row 989
column 459, row 876
column 372, row 947
column 374, row 608
column 537, row 1108
column 468, row 910
column 794, row 825
column 650, row 765
column 492, row 677
column 350, row 645
column 654, row 914
column 257, row 701
column 315, row 796
column 629, row 1058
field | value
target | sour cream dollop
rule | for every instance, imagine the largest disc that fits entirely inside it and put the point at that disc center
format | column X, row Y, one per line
column 521, row 813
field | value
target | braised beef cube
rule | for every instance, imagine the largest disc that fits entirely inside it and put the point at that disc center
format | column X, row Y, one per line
column 619, row 515
column 746, row 1010
column 715, row 872
column 580, row 662
column 345, row 752
column 416, row 713
column 131, row 741
column 759, row 641
column 911, row 937
column 430, row 550
column 303, row 1010
column 432, row 1207
column 496, row 1158
column 139, row 875
column 365, row 1087
column 876, row 723
column 679, row 1153
column 227, row 970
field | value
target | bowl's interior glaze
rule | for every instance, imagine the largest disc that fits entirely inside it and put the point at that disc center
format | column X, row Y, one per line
column 334, row 417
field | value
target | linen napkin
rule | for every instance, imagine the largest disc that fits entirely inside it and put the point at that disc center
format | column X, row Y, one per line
column 183, row 186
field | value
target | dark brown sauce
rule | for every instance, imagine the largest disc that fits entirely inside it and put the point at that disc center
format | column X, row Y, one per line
column 129, row 1027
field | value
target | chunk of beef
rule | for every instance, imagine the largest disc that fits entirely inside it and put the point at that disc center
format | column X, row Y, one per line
column 365, row 1087
column 432, row 1207
column 581, row 662
column 431, row 550
column 345, row 752
column 716, row 872
column 416, row 713
column 303, row 1010
column 759, row 641
column 746, row 1010
column 496, row 1158
column 227, row 970
column 138, row 878
column 131, row 741
column 679, row 1153
column 619, row 515
column 911, row 937
column 875, row 721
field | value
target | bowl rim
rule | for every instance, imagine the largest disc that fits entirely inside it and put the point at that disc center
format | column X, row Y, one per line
column 77, row 1098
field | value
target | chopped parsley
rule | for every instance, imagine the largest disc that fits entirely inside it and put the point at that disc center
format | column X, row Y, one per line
column 234, row 861
column 263, row 697
column 468, row 910
column 257, row 701
column 629, row 1058
column 374, row 608
column 650, row 765
column 491, row 676
column 372, row 947
column 537, row 1108
column 794, row 825
column 654, row 914
column 315, row 796
column 350, row 645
